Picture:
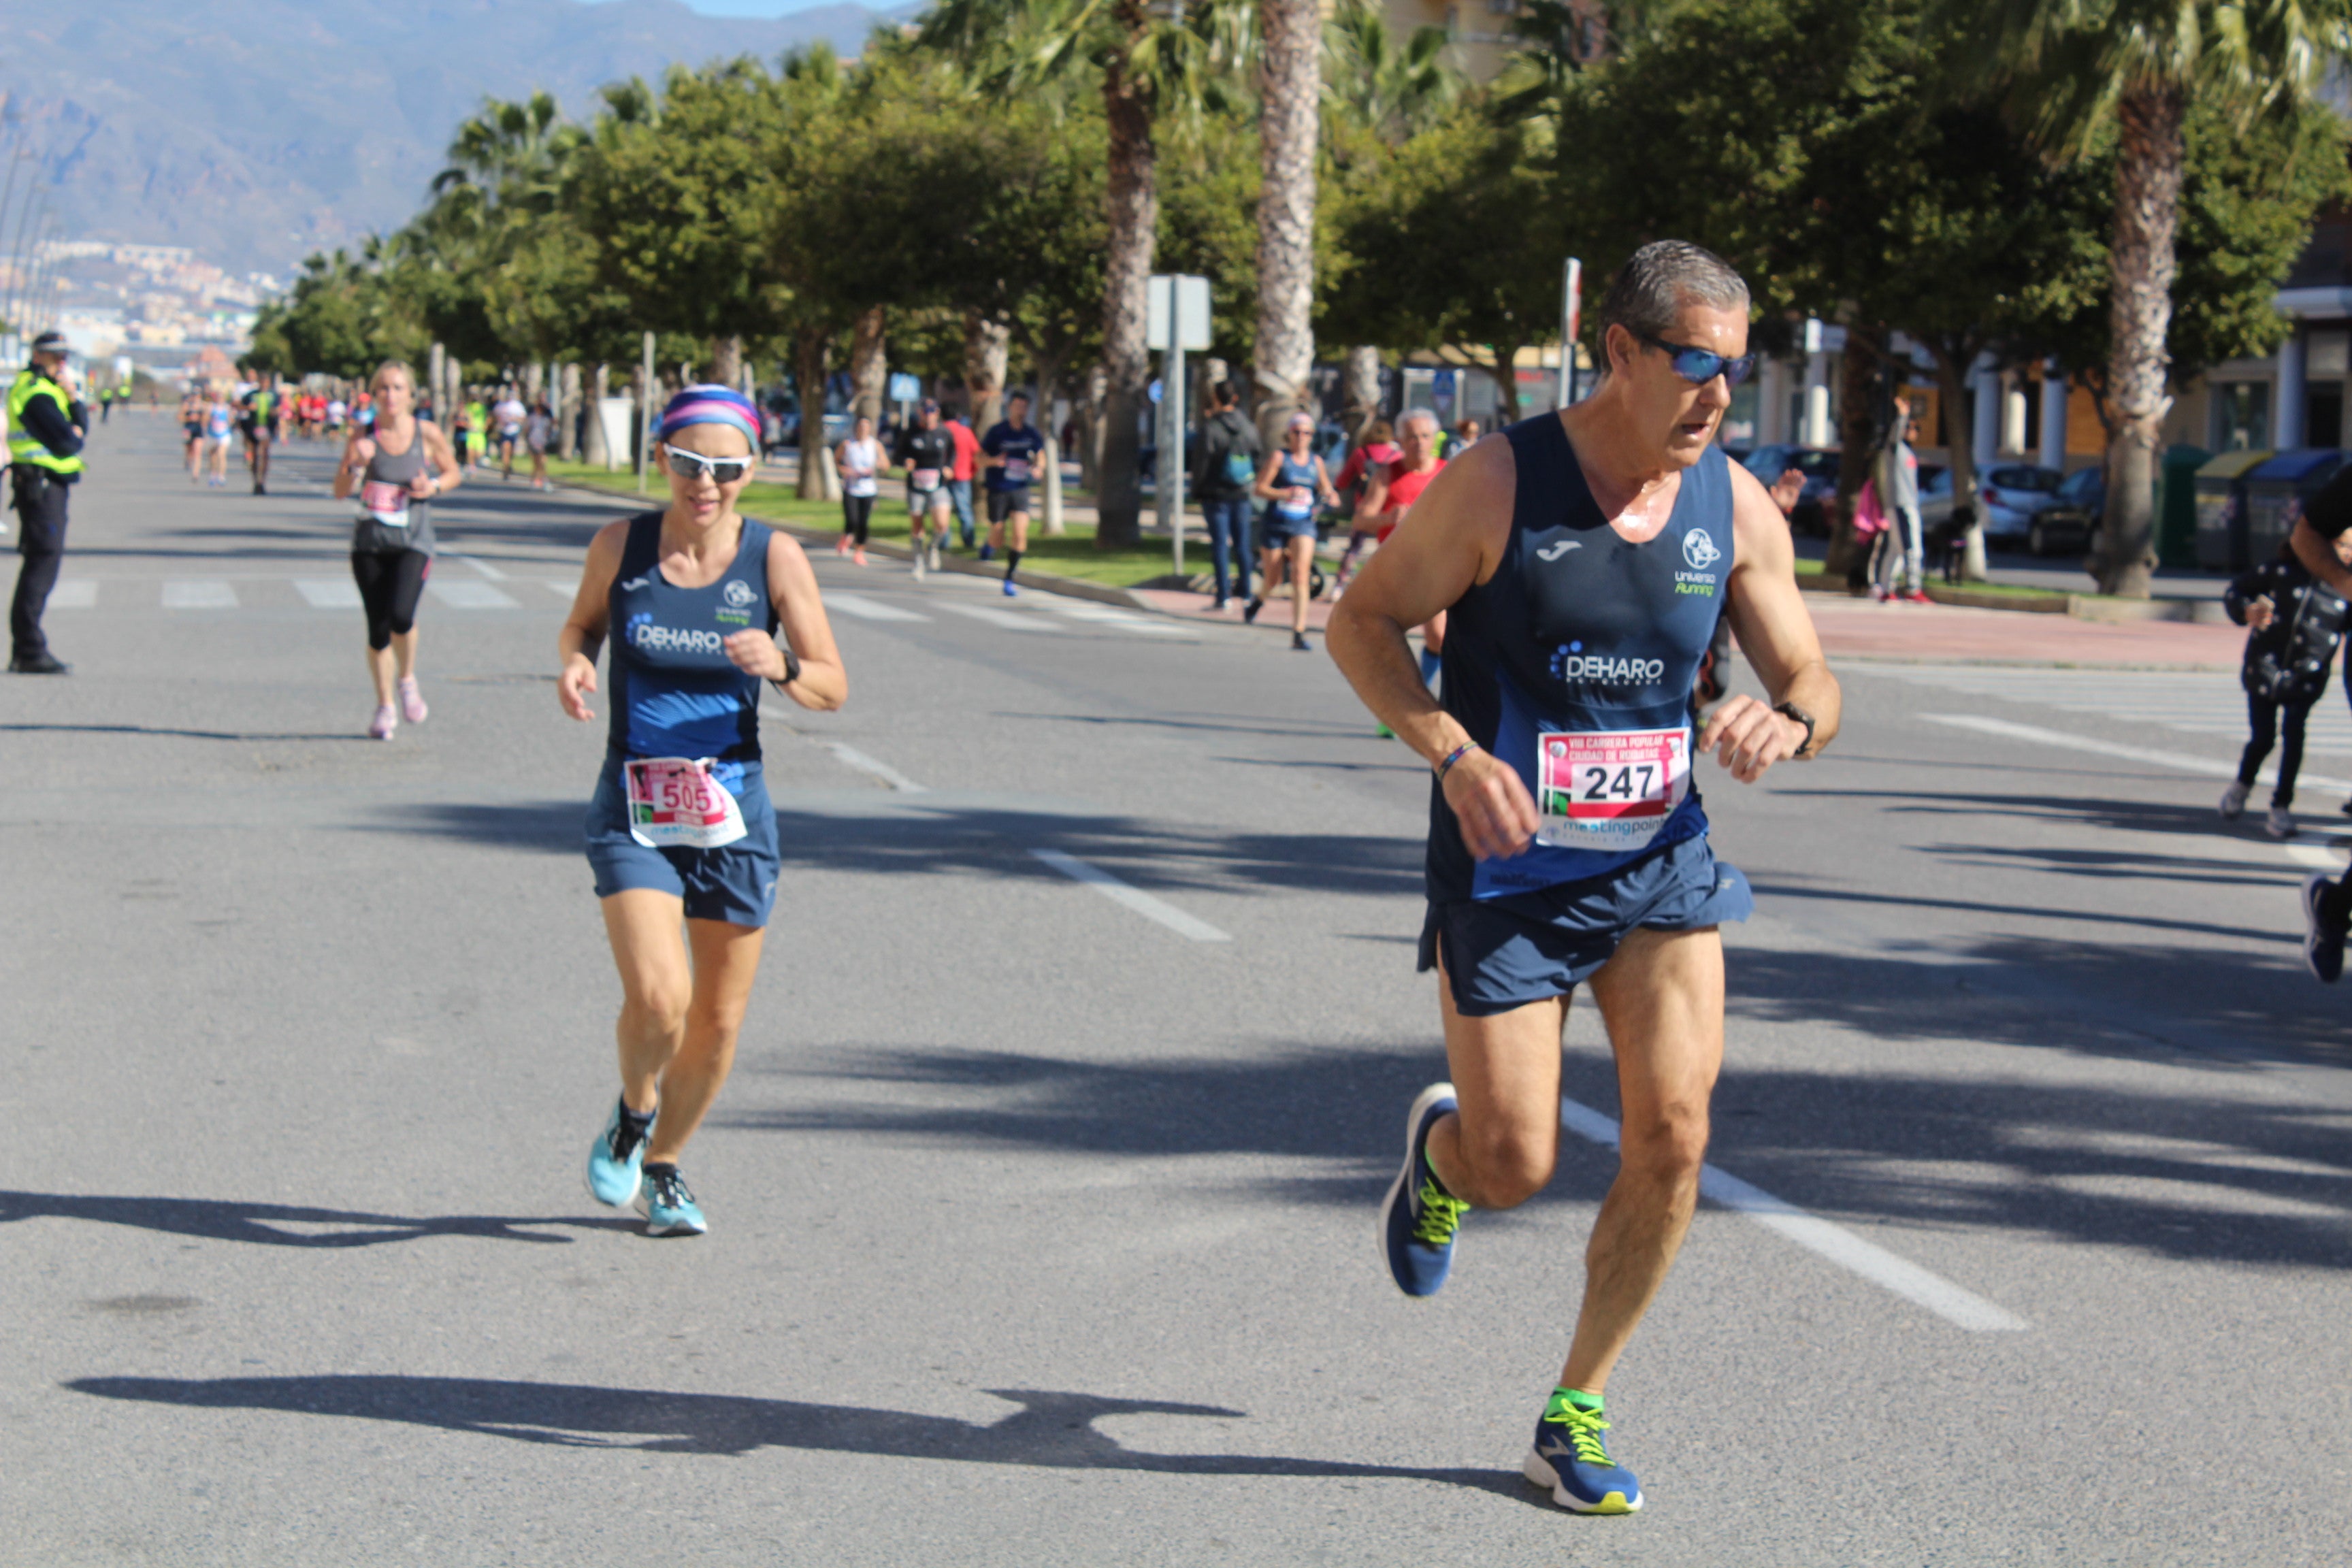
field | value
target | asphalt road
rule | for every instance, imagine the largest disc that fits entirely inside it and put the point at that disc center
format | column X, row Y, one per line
column 1043, row 1222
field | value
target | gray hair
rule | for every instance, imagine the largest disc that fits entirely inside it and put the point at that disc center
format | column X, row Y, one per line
column 1664, row 277
column 1413, row 414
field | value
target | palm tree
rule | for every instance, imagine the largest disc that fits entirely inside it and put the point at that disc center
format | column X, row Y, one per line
column 1290, row 82
column 2074, row 69
column 1153, row 59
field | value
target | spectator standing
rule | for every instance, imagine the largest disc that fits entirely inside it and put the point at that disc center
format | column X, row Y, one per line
column 967, row 467
column 1906, row 553
column 1228, row 475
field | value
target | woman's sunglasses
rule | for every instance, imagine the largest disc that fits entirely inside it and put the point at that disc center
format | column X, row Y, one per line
column 723, row 470
column 1699, row 366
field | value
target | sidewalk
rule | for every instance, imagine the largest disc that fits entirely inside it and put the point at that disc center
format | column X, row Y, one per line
column 1851, row 627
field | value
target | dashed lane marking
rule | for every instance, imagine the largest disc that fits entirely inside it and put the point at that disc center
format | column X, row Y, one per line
column 1011, row 620
column 74, row 594
column 466, row 596
column 1130, row 896
column 199, row 594
column 864, row 609
column 327, row 594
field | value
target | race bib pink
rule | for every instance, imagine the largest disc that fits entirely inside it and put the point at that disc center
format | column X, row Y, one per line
column 385, row 503
column 675, row 804
column 1611, row 789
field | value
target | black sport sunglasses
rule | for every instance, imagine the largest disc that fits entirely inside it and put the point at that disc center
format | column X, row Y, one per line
column 1699, row 366
column 693, row 465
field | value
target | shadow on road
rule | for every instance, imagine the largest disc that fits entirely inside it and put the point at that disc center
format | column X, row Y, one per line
column 239, row 735
column 1050, row 1430
column 230, row 1220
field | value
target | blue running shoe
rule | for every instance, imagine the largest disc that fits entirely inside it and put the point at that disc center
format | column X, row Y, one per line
column 1010, row 591
column 615, row 1161
column 669, row 1209
column 1571, row 1459
column 987, row 552
column 1419, row 1217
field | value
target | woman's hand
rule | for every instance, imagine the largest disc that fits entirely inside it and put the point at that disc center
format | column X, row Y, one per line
column 424, row 487
column 361, row 454
column 2261, row 613
column 572, row 686
column 756, row 653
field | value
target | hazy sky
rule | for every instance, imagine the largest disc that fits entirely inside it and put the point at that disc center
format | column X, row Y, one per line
column 746, row 7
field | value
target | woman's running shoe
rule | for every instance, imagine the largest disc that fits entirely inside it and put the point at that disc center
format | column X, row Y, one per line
column 2280, row 823
column 1571, row 1459
column 385, row 722
column 617, row 1159
column 842, row 548
column 669, row 1209
column 2233, row 801
column 858, row 558
column 412, row 700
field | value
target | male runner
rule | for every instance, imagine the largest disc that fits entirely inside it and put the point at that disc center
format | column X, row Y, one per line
column 1009, row 450
column 1583, row 560
column 507, row 416
column 260, row 426
column 928, row 454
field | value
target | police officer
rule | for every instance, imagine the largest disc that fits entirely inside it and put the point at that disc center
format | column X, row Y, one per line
column 46, row 424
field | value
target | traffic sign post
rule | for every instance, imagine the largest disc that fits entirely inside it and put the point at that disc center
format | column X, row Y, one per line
column 1176, row 318
column 1571, row 321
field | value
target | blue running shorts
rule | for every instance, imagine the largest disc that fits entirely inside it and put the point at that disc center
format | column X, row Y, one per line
column 736, row 884
column 1502, row 953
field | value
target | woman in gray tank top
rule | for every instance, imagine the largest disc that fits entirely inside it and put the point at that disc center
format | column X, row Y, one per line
column 393, row 472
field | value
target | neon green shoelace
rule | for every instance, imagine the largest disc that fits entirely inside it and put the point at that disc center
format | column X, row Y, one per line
column 1440, row 1217
column 1584, row 1430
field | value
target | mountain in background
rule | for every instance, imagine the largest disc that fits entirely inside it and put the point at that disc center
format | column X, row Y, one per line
column 258, row 131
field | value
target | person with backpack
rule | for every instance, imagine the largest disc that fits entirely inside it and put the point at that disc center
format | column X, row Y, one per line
column 1224, row 482
column 2296, row 623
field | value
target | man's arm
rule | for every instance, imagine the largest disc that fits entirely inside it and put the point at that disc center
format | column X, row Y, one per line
column 1775, row 634
column 2317, row 550
column 51, row 426
column 1456, row 536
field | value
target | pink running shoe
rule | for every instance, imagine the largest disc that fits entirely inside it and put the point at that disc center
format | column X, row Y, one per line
column 384, row 724
column 412, row 702
column 860, row 557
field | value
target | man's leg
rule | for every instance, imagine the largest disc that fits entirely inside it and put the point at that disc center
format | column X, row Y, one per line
column 1661, row 999
column 41, row 537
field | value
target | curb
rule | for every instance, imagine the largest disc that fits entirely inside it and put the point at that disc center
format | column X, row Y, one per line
column 1045, row 581
column 2080, row 607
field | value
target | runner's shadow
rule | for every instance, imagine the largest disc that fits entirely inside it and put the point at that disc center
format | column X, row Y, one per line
column 227, row 1220
column 1050, row 1430
column 243, row 735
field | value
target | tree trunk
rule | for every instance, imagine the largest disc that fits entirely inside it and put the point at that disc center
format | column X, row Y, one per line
column 593, row 449
column 1132, row 205
column 810, row 345
column 567, row 419
column 1049, row 382
column 1860, row 369
column 1090, row 430
column 1290, row 90
column 726, row 360
column 1360, row 386
column 1504, row 372
column 869, row 371
column 987, row 347
column 2147, row 212
column 1959, row 422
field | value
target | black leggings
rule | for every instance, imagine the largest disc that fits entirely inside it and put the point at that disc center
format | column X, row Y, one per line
column 390, row 582
column 857, row 511
column 2264, row 716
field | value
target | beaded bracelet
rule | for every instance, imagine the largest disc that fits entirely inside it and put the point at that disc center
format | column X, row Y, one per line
column 1454, row 756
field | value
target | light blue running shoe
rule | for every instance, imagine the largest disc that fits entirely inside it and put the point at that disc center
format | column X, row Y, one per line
column 1571, row 1459
column 669, row 1209
column 615, row 1161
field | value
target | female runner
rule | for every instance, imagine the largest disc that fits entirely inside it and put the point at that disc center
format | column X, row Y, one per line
column 396, row 471
column 680, row 825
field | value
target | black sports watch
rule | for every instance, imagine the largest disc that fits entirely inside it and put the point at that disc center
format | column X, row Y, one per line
column 792, row 672
column 1790, row 711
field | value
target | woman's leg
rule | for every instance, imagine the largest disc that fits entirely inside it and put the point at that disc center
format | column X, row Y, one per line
column 373, row 573
column 725, row 962
column 1302, row 575
column 656, row 988
column 2262, row 723
column 2289, row 754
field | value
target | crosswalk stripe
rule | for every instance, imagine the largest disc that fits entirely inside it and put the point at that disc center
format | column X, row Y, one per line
column 74, row 594
column 1011, row 620
column 1125, row 620
column 467, row 596
column 864, row 609
column 327, row 594
column 199, row 594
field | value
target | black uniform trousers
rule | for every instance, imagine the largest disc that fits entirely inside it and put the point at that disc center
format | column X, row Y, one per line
column 39, row 498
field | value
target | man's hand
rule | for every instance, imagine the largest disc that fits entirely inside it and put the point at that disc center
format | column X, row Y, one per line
column 1491, row 802
column 579, row 679
column 1749, row 737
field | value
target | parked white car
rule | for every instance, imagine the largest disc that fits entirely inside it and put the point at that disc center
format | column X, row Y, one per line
column 2007, row 498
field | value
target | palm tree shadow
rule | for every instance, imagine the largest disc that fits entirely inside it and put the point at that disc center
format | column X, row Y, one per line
column 1050, row 1430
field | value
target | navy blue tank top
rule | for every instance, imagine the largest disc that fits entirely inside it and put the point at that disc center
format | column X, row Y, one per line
column 1575, row 663
column 674, row 691
column 1297, row 473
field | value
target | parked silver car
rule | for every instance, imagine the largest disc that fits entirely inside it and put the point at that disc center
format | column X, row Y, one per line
column 2009, row 498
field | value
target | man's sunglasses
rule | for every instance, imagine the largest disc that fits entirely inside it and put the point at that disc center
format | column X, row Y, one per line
column 723, row 470
column 1699, row 366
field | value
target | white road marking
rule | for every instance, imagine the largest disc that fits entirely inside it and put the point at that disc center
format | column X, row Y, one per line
column 866, row 609
column 1134, row 898
column 2317, row 856
column 1011, row 620
column 484, row 567
column 1125, row 620
column 567, row 590
column 199, row 594
column 864, row 763
column 74, row 594
column 2200, row 702
column 2178, row 762
column 1815, row 1234
column 465, row 596
column 327, row 594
